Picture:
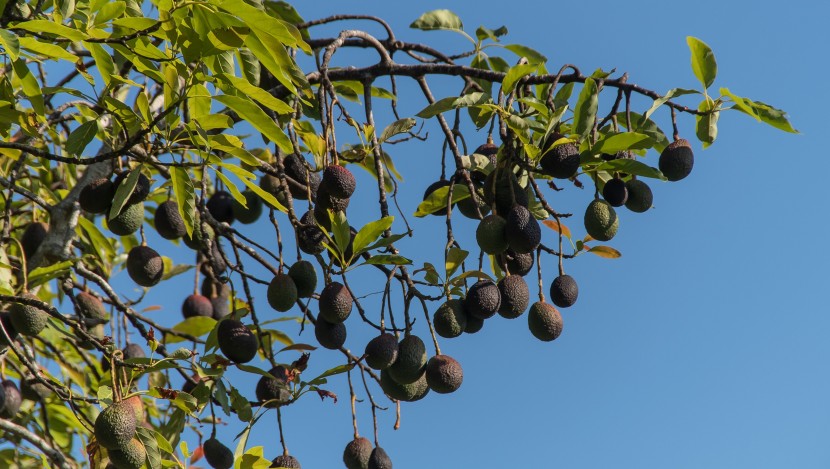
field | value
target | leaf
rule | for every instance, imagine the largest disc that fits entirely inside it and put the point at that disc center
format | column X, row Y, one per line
column 396, row 128
column 625, row 165
column 31, row 87
column 437, row 200
column 703, row 61
column 241, row 406
column 104, row 394
column 255, row 116
column 334, row 371
column 47, row 50
column 244, row 87
column 761, row 111
column 558, row 227
column 438, row 20
column 483, row 33
column 80, row 137
column 302, row 347
column 124, row 191
column 196, row 326
column 470, row 273
column 622, row 141
column 442, row 105
column 99, row 241
column 185, row 197
column 670, row 94
column 455, row 257
column 103, row 61
column 10, row 43
column 533, row 57
column 266, row 196
column 706, row 127
column 647, row 127
column 388, row 259
column 233, row 189
column 42, row 275
column 605, row 251
column 515, row 74
column 370, row 232
column 340, row 228
column 50, row 27
column 585, row 111
column 148, row 438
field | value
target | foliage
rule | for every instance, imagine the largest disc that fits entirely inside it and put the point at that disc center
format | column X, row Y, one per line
column 207, row 97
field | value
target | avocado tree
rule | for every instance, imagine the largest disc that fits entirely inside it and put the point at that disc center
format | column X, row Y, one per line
column 215, row 145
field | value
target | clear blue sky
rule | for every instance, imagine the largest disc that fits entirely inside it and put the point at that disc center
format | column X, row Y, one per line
column 705, row 345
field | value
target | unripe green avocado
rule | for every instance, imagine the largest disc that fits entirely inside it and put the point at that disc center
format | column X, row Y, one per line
column 515, row 296
column 28, row 320
column 130, row 456
column 379, row 459
column 601, row 220
column 305, row 278
column 285, row 462
column 490, row 234
column 412, row 358
column 335, row 303
column 252, row 212
column 168, row 222
column 115, row 426
column 410, row 392
column 450, row 320
column 330, row 336
column 128, row 221
column 282, row 292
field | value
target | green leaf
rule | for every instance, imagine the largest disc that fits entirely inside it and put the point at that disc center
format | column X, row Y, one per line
column 99, row 241
column 340, row 228
column 761, row 111
column 266, row 196
column 438, row 20
column 233, row 189
column 515, row 74
column 241, row 406
column 109, row 11
column 533, row 57
column 455, row 257
column 388, row 259
column 396, row 128
column 196, row 326
column 162, row 442
column 104, row 394
column 647, row 127
column 625, row 165
column 220, row 393
column 45, row 49
column 103, row 61
column 669, row 95
column 334, row 371
column 185, row 196
column 80, row 137
column 50, row 27
column 483, row 33
column 703, row 61
column 245, row 88
column 42, row 275
column 135, row 22
column 255, row 116
column 585, row 111
column 370, row 232
column 31, row 87
column 124, row 191
column 706, row 127
column 622, row 141
column 10, row 43
column 442, row 105
column 148, row 439
column 437, row 200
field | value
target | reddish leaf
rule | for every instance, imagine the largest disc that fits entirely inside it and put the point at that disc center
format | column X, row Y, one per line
column 556, row 226
column 198, row 453
column 324, row 394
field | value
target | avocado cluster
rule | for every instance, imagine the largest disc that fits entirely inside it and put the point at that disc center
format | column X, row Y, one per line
column 115, row 430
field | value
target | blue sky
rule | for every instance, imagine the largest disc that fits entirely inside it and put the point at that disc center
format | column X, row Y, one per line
column 705, row 344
